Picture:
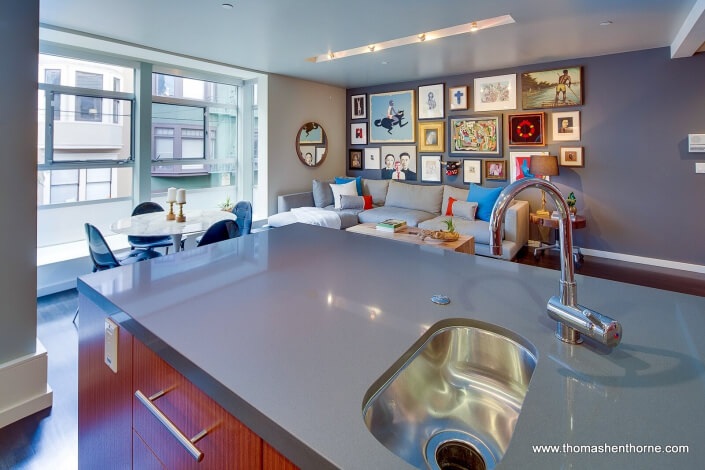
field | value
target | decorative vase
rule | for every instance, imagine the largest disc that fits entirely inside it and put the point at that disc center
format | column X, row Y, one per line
column 573, row 210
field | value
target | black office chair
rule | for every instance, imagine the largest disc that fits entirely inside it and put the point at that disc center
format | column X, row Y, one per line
column 220, row 231
column 149, row 243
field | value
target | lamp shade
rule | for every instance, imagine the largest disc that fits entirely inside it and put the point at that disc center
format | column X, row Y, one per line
column 543, row 165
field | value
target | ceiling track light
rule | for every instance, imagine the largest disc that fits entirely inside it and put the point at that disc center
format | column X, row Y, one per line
column 422, row 37
column 473, row 27
column 331, row 56
column 371, row 47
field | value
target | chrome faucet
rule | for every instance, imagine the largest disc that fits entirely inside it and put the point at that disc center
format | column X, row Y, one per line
column 572, row 319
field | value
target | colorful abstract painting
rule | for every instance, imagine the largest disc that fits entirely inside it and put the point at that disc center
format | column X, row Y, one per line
column 475, row 135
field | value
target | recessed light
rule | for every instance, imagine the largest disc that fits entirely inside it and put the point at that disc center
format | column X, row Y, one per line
column 606, row 23
column 227, row 6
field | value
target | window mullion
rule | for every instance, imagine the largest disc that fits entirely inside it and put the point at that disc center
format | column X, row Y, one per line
column 49, row 127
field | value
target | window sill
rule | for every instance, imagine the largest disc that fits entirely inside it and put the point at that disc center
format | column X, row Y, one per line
column 67, row 251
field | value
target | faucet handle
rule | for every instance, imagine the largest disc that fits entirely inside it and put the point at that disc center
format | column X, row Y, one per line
column 609, row 331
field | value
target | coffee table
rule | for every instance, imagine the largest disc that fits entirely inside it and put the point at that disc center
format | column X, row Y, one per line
column 464, row 244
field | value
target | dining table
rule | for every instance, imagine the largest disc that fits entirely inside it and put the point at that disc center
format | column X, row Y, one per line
column 155, row 224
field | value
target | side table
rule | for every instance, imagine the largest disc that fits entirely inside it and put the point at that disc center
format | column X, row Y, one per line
column 546, row 221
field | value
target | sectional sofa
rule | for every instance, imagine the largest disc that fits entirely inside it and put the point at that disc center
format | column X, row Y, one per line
column 421, row 206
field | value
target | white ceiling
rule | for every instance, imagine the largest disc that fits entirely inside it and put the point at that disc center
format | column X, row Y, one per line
column 278, row 35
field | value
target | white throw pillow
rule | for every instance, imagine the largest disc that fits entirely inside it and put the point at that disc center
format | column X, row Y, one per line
column 347, row 189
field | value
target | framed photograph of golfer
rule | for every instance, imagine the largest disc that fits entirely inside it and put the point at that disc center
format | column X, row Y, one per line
column 355, row 159
column 572, row 156
column 566, row 126
column 393, row 117
column 475, row 135
column 432, row 101
column 495, row 170
column 555, row 88
column 496, row 93
column 358, row 106
column 431, row 168
column 458, row 98
column 358, row 133
column 526, row 129
column 432, row 136
column 472, row 171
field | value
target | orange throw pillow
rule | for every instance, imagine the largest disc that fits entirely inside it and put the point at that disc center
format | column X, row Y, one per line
column 368, row 202
column 449, row 211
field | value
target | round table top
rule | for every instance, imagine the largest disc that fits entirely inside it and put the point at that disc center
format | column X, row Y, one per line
column 546, row 221
column 155, row 223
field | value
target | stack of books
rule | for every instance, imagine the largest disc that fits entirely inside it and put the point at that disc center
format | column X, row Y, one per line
column 391, row 225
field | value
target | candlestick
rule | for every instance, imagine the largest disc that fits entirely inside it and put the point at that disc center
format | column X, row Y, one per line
column 171, row 195
column 181, row 217
column 181, row 196
column 170, row 215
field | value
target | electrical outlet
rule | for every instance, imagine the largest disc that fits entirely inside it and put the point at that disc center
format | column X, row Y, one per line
column 700, row 167
column 112, row 331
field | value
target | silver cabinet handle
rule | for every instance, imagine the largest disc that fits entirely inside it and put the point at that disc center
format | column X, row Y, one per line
column 187, row 443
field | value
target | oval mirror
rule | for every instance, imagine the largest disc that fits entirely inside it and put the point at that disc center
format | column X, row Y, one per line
column 311, row 144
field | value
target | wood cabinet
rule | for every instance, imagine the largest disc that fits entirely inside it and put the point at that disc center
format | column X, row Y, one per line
column 117, row 430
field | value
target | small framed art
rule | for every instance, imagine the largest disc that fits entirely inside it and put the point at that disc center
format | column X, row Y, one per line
column 431, row 168
column 431, row 101
column 526, row 129
column 572, row 156
column 566, row 126
column 472, row 171
column 358, row 133
column 355, row 159
column 458, row 97
column 519, row 164
column 495, row 170
column 372, row 158
column 358, row 106
column 432, row 136
column 496, row 93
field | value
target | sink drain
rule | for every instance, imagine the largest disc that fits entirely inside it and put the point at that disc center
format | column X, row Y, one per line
column 458, row 450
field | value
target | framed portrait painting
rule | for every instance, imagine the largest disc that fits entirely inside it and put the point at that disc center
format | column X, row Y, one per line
column 355, row 159
column 372, row 158
column 393, row 117
column 432, row 136
column 519, row 163
column 358, row 106
column 458, row 98
column 399, row 162
column 495, row 170
column 496, row 93
column 566, row 126
column 554, row 88
column 526, row 129
column 432, row 101
column 572, row 156
column 431, row 168
column 472, row 171
column 308, row 153
column 358, row 133
column 475, row 135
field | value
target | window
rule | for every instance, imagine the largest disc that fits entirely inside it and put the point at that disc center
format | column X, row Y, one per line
column 116, row 103
column 63, row 186
column 53, row 77
column 89, row 108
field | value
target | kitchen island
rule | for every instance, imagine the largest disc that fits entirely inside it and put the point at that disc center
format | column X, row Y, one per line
column 287, row 330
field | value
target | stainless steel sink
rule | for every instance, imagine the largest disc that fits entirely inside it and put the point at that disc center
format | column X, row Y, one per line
column 453, row 399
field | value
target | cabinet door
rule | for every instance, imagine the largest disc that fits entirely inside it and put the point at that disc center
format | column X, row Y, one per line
column 142, row 456
column 228, row 443
column 273, row 460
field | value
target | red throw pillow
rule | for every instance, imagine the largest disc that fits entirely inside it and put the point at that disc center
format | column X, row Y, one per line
column 449, row 211
column 368, row 202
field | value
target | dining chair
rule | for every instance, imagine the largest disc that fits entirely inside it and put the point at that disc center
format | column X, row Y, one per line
column 148, row 243
column 220, row 231
column 243, row 211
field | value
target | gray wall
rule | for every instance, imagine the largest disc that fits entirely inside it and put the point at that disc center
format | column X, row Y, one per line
column 291, row 103
column 19, row 51
column 638, row 189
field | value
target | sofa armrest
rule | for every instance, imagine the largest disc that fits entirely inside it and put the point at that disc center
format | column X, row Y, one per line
column 289, row 201
column 516, row 223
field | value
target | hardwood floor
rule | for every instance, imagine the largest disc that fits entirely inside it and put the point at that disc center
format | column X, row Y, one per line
column 49, row 439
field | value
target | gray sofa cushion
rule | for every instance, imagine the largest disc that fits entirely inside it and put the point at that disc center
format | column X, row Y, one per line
column 377, row 189
column 348, row 217
column 464, row 209
column 414, row 196
column 352, row 202
column 412, row 217
column 476, row 228
column 322, row 194
column 459, row 194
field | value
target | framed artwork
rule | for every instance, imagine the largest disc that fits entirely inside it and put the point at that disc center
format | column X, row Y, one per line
column 458, row 97
column 431, row 168
column 311, row 133
column 555, row 88
column 572, row 156
column 432, row 101
column 519, row 163
column 355, row 159
column 393, row 117
column 472, row 171
column 432, row 136
column 358, row 106
column 320, row 154
column 399, row 162
column 358, row 133
column 372, row 158
column 495, row 170
column 496, row 93
column 526, row 129
column 308, row 152
column 566, row 126
column 476, row 135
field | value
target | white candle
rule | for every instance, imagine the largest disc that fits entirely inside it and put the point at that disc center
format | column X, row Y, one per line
column 181, row 196
column 171, row 195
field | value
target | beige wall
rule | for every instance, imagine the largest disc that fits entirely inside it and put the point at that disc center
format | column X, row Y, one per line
column 291, row 103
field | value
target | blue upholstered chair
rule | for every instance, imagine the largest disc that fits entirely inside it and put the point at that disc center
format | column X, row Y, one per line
column 220, row 231
column 148, row 243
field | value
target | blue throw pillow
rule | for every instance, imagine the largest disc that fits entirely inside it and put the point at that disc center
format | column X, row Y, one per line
column 358, row 181
column 485, row 199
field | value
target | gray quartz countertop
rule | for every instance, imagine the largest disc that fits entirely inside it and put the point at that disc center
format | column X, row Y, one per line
column 288, row 328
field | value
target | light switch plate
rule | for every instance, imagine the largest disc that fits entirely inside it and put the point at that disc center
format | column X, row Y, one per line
column 700, row 167
column 112, row 331
column 696, row 143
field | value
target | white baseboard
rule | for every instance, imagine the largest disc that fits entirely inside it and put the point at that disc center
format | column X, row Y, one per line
column 23, row 386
